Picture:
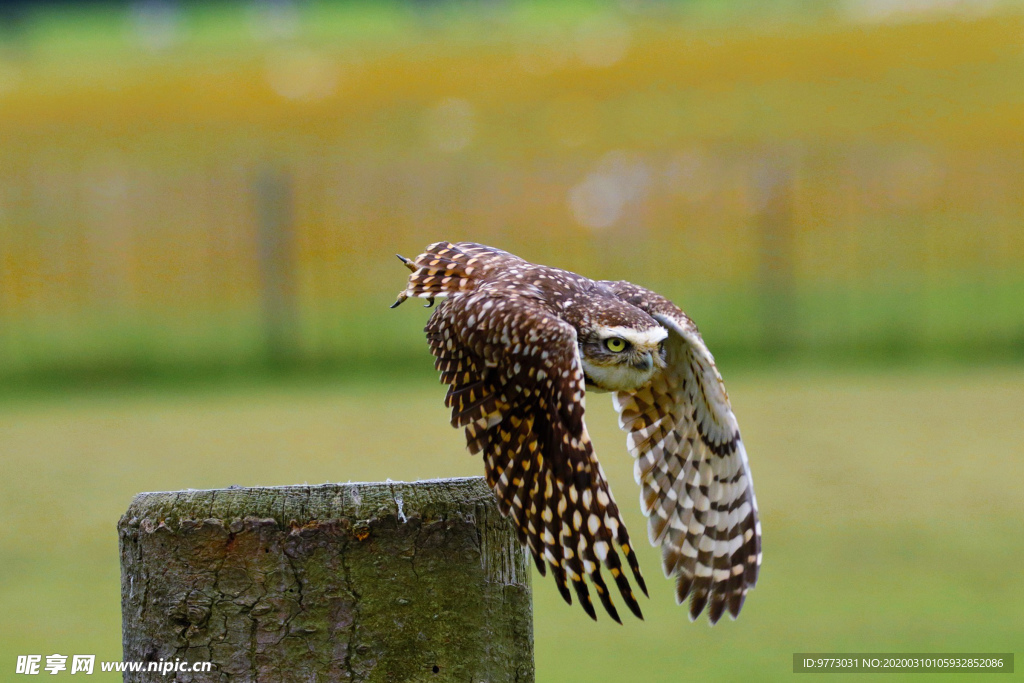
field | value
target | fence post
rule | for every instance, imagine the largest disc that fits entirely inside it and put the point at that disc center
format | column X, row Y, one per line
column 773, row 193
column 391, row 581
column 275, row 252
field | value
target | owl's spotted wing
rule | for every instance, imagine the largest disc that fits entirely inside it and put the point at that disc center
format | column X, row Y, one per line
column 692, row 467
column 516, row 385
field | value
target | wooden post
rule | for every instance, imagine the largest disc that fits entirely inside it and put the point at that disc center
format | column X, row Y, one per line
column 774, row 187
column 275, row 252
column 391, row 581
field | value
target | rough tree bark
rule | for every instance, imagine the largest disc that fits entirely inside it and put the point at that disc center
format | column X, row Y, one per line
column 395, row 581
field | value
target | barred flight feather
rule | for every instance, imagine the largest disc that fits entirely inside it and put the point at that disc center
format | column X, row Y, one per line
column 692, row 469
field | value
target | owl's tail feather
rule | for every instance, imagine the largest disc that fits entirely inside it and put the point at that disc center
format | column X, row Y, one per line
column 445, row 269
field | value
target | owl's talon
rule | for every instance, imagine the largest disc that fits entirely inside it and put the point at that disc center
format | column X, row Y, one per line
column 401, row 297
column 430, row 302
column 408, row 262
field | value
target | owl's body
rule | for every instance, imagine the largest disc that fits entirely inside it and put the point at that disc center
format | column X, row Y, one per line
column 519, row 344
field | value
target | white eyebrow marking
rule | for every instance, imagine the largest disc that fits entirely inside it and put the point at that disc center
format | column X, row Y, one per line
column 649, row 337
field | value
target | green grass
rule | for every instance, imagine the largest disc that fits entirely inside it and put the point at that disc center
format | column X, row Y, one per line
column 891, row 509
column 224, row 24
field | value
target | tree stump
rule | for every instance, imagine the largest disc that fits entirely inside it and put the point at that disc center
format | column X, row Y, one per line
column 388, row 581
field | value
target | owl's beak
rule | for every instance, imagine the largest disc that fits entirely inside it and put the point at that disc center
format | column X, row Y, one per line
column 644, row 363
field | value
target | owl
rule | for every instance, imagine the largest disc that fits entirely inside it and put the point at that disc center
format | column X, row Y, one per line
column 519, row 346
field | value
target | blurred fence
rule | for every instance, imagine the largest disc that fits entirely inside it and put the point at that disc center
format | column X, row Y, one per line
column 819, row 189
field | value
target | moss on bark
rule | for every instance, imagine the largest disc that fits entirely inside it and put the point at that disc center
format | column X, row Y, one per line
column 390, row 581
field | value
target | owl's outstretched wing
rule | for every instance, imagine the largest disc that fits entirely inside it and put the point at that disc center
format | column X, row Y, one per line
column 516, row 385
column 692, row 467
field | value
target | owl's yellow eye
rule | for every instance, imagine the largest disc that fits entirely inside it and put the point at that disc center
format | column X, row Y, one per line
column 615, row 345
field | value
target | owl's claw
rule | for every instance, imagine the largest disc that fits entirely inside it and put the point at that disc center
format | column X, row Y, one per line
column 408, row 262
column 430, row 302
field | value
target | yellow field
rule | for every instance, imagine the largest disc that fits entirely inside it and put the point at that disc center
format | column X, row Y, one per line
column 891, row 511
column 629, row 145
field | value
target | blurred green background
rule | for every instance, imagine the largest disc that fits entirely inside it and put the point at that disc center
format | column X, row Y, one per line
column 200, row 203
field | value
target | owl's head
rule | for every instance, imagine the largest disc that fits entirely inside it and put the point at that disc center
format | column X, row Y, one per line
column 620, row 358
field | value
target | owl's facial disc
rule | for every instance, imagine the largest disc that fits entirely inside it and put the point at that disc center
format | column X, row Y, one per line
column 622, row 358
